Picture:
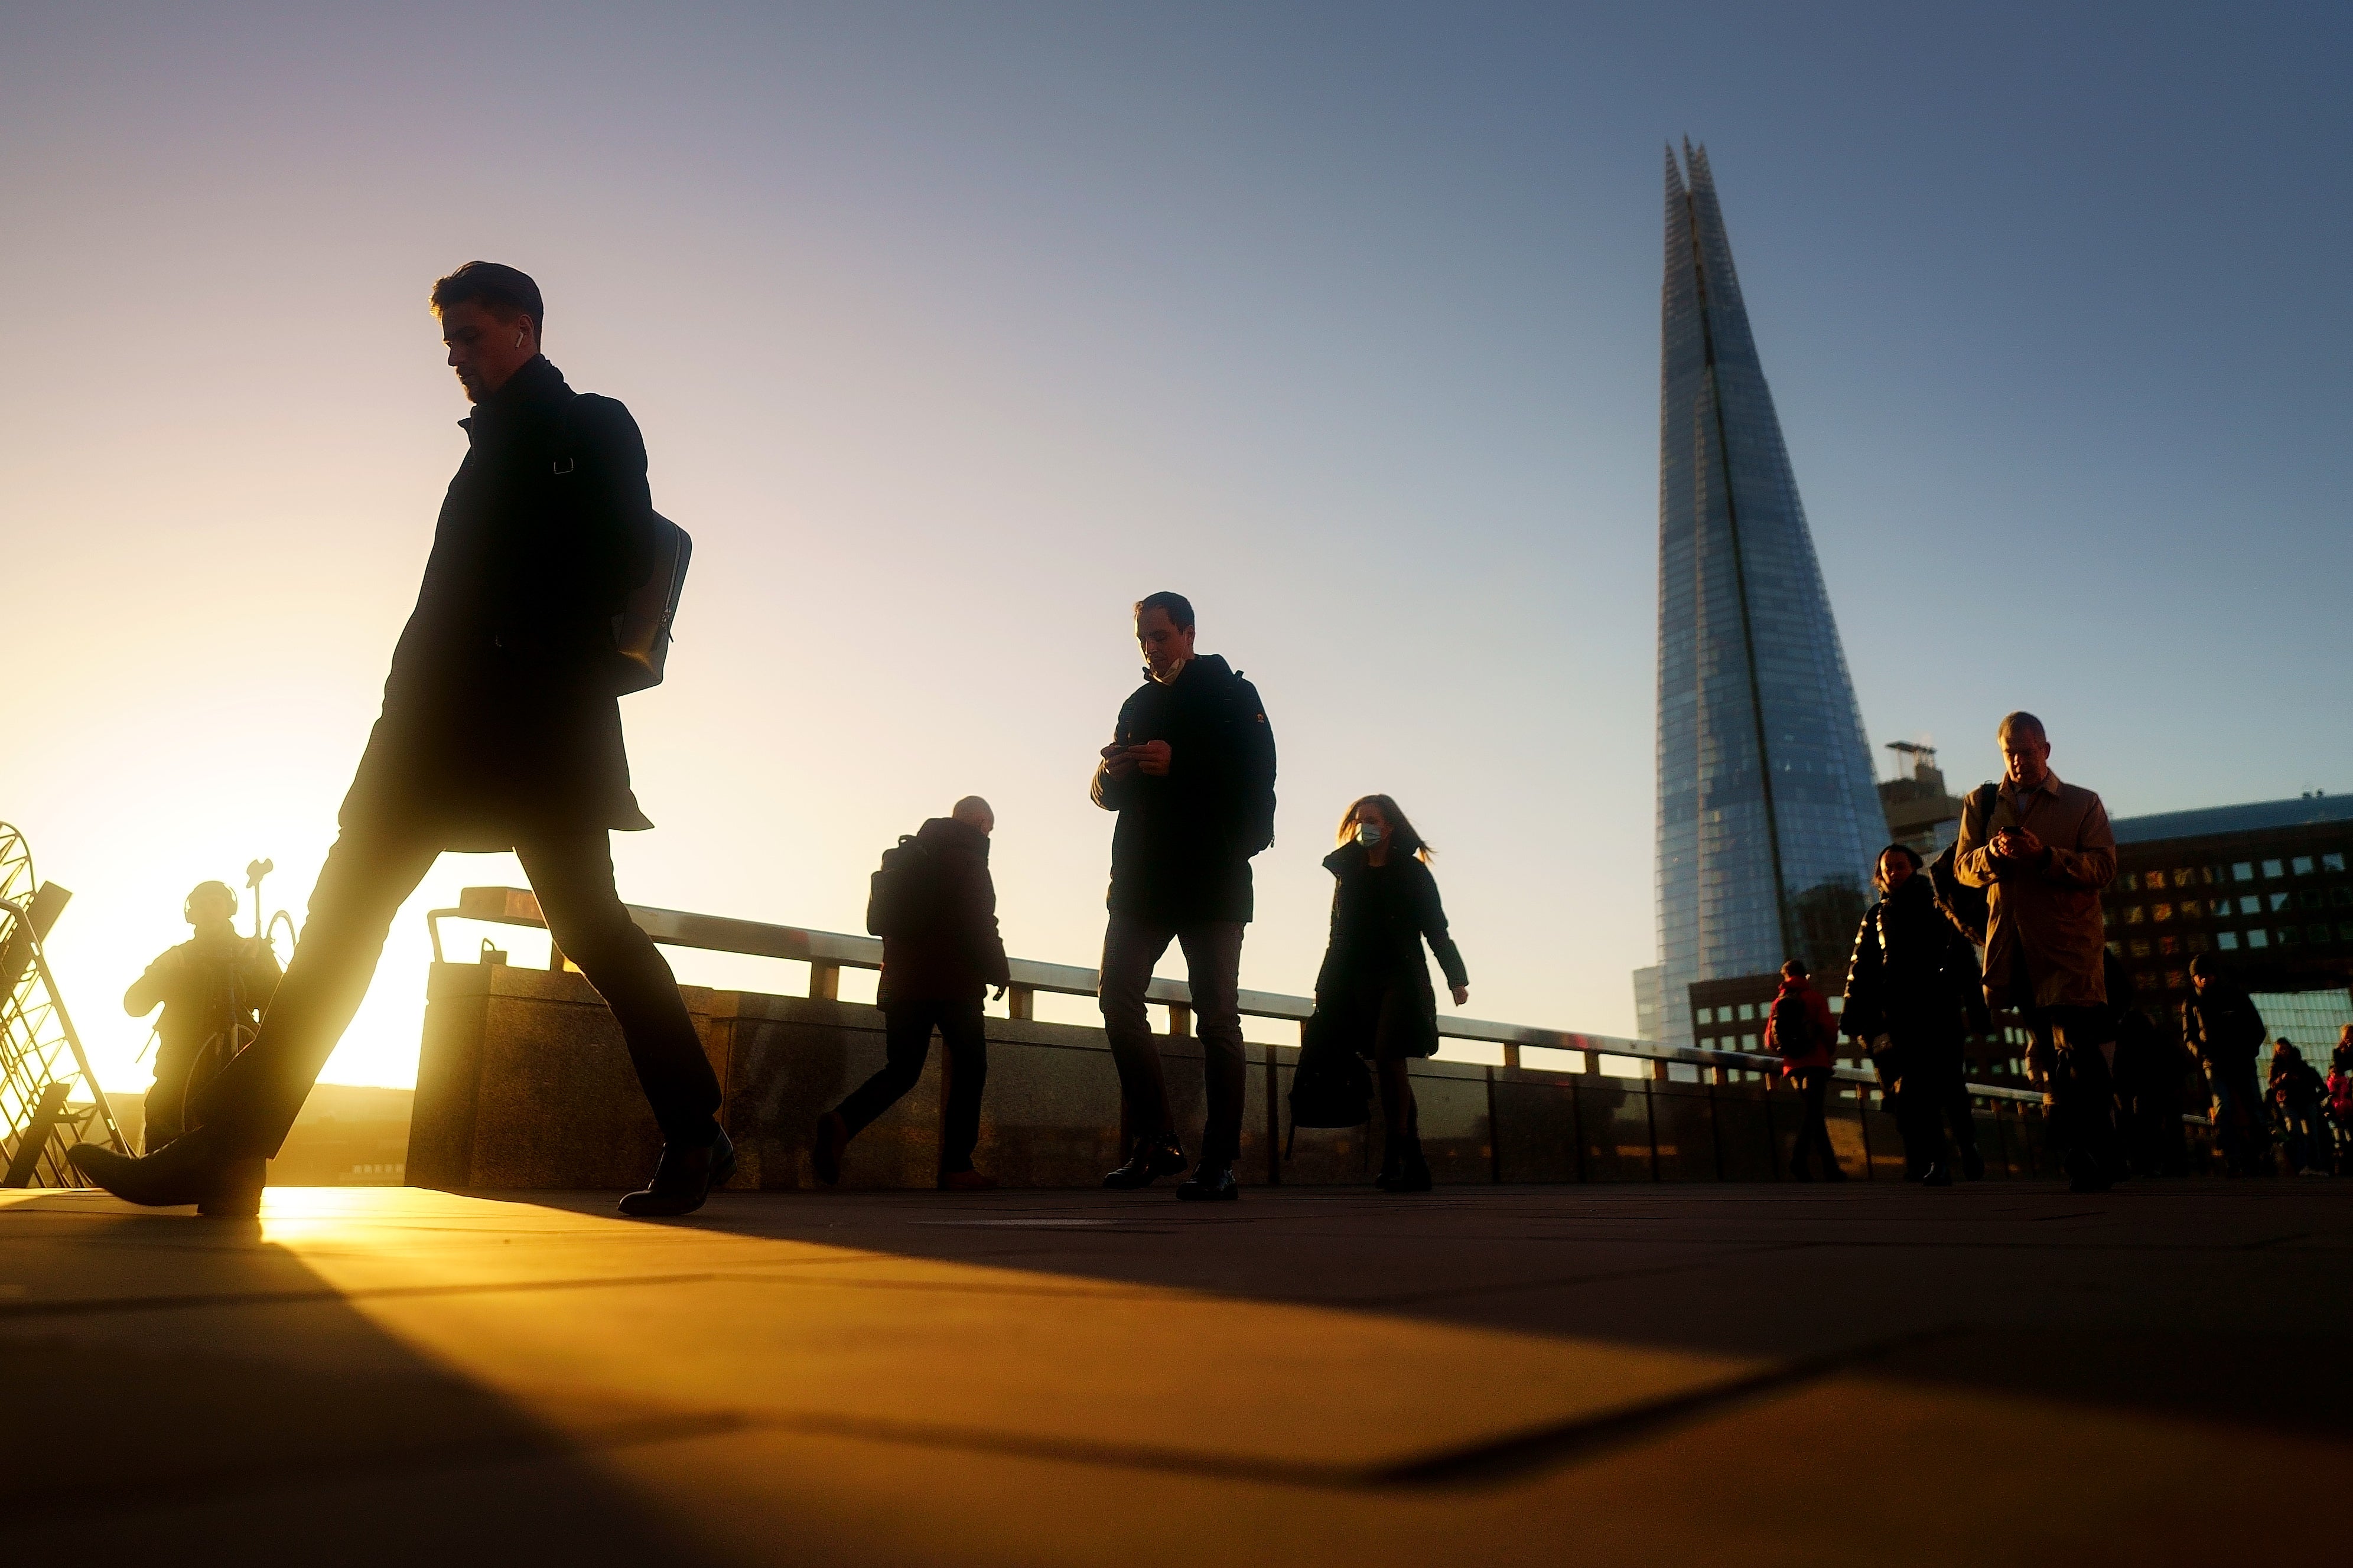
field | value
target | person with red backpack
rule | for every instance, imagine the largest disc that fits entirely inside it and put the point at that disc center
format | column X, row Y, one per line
column 1802, row 1029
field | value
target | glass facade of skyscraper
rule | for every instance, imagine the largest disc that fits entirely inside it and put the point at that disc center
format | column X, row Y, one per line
column 1769, row 813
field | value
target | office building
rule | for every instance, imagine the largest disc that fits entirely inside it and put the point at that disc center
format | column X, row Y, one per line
column 2263, row 887
column 1769, row 813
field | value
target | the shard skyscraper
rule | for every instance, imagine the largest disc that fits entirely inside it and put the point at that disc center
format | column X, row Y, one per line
column 1769, row 811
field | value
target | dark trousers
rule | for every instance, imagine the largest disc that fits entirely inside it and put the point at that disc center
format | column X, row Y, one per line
column 1814, row 1132
column 1930, row 1071
column 2239, row 1122
column 369, row 873
column 1213, row 959
column 907, row 1040
column 2079, row 1041
column 167, row 1096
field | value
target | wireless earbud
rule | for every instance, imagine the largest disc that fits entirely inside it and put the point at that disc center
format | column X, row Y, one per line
column 518, row 339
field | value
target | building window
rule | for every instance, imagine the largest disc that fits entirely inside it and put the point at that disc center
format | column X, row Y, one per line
column 2131, row 881
column 2168, row 945
column 2345, row 931
column 2139, row 949
column 2340, row 896
column 2279, row 900
column 2185, row 879
column 2242, row 871
column 2118, row 948
column 1748, row 1011
column 2228, row 941
column 2195, row 942
column 2309, row 899
column 2175, row 980
column 2289, row 936
column 2134, row 914
column 2154, row 879
column 2249, row 906
column 2258, row 939
column 2332, row 862
column 2161, row 913
column 2271, row 868
column 1747, row 1042
column 2316, row 932
column 2301, row 865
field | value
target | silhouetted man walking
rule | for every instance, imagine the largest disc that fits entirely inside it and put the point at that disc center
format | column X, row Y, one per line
column 500, row 730
column 1190, row 770
column 2043, row 849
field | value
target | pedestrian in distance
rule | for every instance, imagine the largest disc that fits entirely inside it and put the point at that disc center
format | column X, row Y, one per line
column 1912, row 992
column 2043, row 851
column 2340, row 1101
column 935, row 906
column 1373, row 988
column 500, row 730
column 1190, row 771
column 213, row 989
column 1802, row 1029
column 2220, row 1022
column 2298, row 1098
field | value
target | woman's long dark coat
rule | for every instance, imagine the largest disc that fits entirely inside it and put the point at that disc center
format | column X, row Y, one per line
column 1380, row 917
column 499, row 717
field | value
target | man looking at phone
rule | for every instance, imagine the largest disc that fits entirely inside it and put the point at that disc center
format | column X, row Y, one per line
column 2043, row 850
column 1190, row 770
column 500, row 730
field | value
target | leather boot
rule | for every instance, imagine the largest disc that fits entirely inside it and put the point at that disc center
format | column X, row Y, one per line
column 1153, row 1159
column 191, row 1169
column 683, row 1179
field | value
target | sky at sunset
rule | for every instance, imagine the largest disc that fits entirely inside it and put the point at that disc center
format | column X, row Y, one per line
column 955, row 329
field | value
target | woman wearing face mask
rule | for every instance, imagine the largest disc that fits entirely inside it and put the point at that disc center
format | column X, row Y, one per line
column 1912, row 991
column 1375, row 986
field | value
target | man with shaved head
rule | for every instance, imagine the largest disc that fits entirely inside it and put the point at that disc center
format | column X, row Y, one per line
column 2043, row 850
column 935, row 906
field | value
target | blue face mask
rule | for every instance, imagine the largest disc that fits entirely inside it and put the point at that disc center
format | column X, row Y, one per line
column 1368, row 835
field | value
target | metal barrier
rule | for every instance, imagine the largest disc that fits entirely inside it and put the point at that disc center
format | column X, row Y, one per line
column 828, row 953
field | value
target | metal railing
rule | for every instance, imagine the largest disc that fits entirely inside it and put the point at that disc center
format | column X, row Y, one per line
column 828, row 953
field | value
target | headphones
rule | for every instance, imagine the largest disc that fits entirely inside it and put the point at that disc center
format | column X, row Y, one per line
column 188, row 904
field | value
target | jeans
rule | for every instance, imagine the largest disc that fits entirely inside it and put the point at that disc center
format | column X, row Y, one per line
column 2241, row 1121
column 369, row 873
column 1213, row 957
column 1814, row 1133
column 907, row 1041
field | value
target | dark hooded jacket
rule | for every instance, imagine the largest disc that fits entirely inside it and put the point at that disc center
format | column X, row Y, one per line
column 500, row 718
column 1380, row 917
column 955, row 952
column 1912, row 968
column 2221, row 1025
column 1181, row 853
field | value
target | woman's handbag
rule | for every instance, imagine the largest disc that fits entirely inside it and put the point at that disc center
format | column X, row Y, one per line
column 1330, row 1087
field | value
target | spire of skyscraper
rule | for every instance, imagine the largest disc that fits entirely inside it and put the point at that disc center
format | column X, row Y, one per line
column 1769, row 812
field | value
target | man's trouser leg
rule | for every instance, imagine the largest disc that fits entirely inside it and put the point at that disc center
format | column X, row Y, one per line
column 1213, row 962
column 964, row 1036
column 2085, row 1085
column 369, row 873
column 1814, row 1135
column 1130, row 947
column 573, row 875
column 906, row 1041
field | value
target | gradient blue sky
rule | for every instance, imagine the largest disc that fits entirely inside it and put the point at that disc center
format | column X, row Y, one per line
column 952, row 328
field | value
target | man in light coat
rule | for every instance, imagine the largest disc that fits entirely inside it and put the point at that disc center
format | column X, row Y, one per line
column 2043, row 851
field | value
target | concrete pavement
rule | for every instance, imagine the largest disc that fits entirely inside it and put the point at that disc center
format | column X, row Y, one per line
column 1751, row 1374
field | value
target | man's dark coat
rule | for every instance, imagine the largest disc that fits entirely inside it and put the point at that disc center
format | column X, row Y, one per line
column 952, row 952
column 1181, row 853
column 499, row 719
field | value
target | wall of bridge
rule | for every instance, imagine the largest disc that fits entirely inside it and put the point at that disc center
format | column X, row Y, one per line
column 523, row 1084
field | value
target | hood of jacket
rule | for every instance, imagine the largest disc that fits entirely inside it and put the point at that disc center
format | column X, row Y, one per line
column 948, row 833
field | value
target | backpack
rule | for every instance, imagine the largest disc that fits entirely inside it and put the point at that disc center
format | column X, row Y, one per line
column 902, row 896
column 1793, row 1026
column 641, row 632
column 1330, row 1087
